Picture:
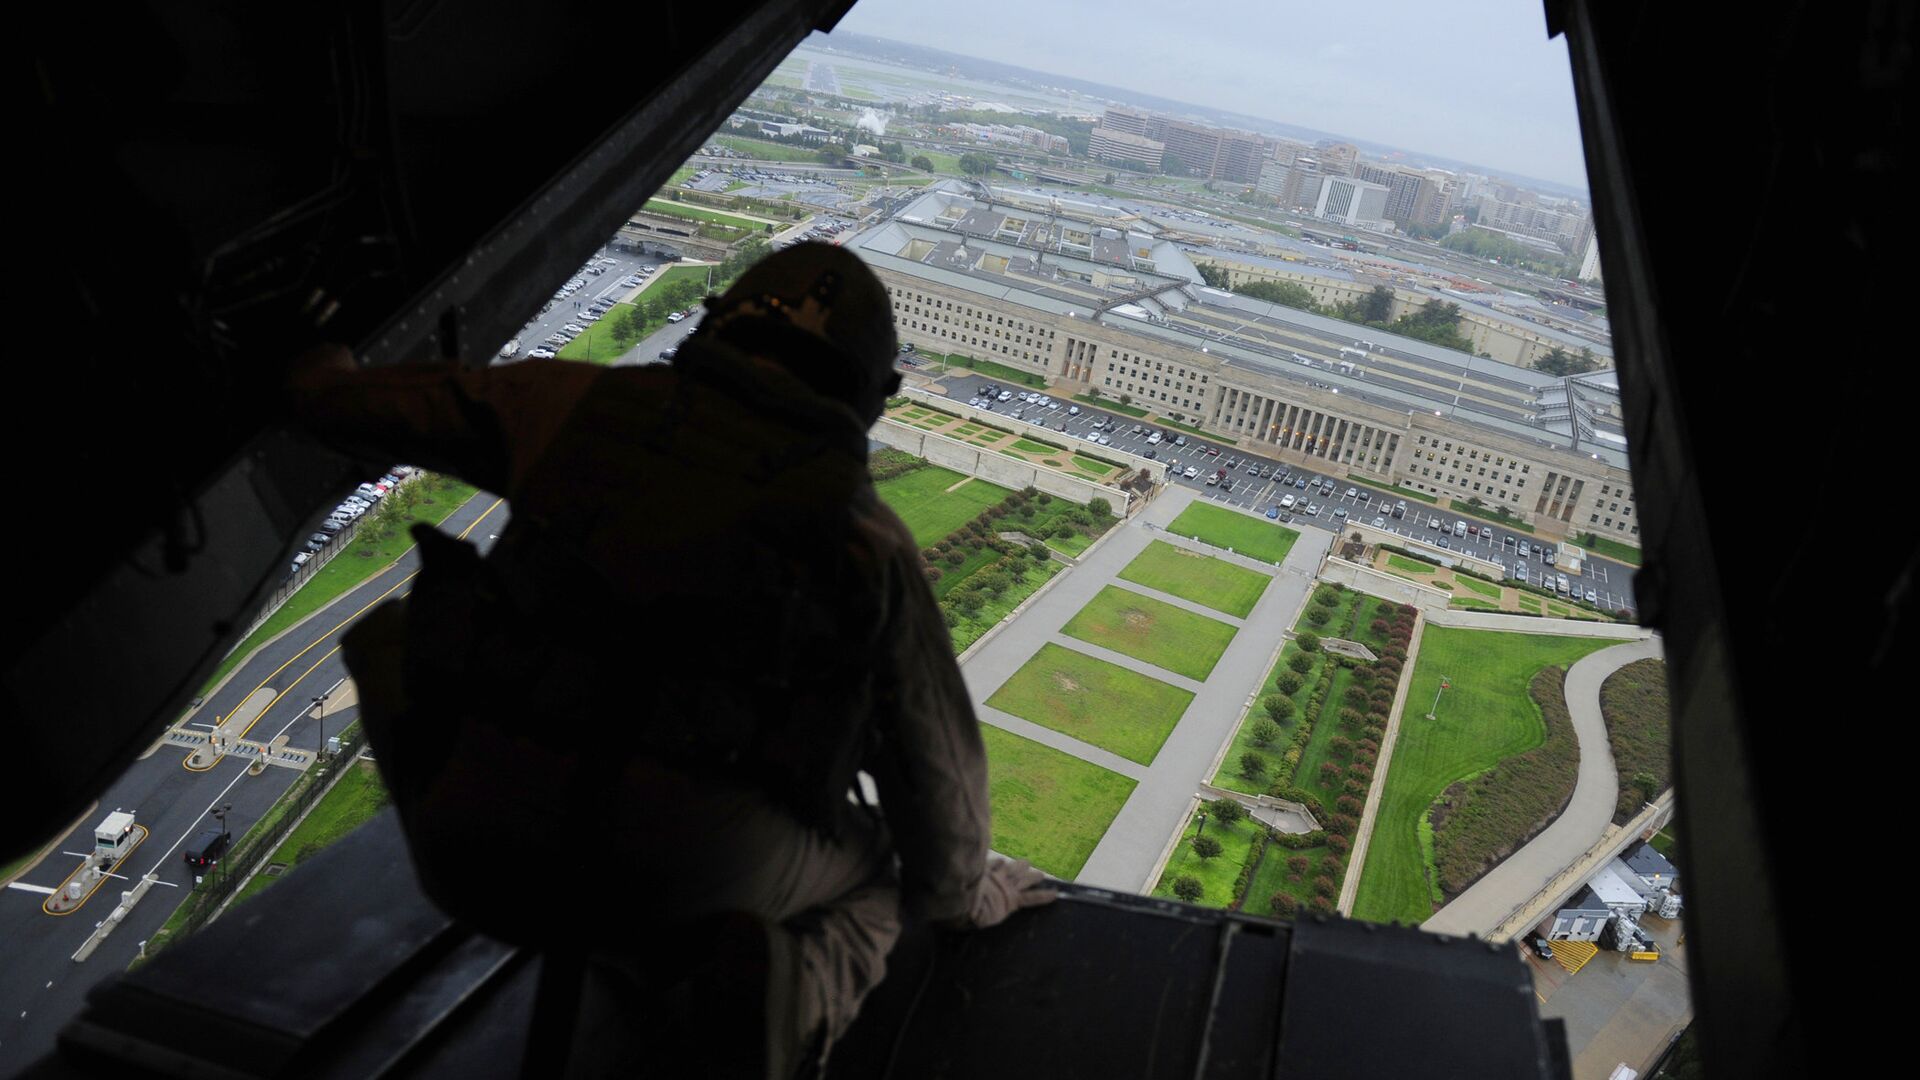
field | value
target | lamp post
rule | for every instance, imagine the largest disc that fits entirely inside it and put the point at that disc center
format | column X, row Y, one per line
column 1444, row 685
column 320, row 714
column 1202, row 818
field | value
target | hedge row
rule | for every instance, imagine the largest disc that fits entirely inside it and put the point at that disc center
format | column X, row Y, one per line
column 1480, row 821
column 887, row 463
column 1633, row 702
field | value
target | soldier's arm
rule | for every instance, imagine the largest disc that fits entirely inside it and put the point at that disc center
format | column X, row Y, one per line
column 484, row 426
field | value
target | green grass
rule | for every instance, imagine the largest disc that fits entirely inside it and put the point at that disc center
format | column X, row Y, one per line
column 1468, row 603
column 362, row 558
column 1407, row 492
column 1320, row 745
column 1412, row 566
column 1071, row 546
column 1049, row 807
column 1528, row 601
column 1216, row 875
column 930, row 511
column 1666, row 841
column 1485, row 717
column 1202, row 579
column 1087, row 464
column 966, row 630
column 1486, row 513
column 1152, row 630
column 1250, row 536
column 950, row 577
column 600, row 345
column 1161, row 421
column 701, row 213
column 1101, row 704
column 355, row 797
column 1475, row 585
column 1273, row 875
column 766, row 151
column 1109, row 405
column 1612, row 549
column 989, row 368
column 1030, row 447
column 1634, row 703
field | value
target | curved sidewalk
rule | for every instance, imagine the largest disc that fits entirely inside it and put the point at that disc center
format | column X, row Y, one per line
column 1523, row 874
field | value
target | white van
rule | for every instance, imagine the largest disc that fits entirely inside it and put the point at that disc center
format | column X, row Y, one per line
column 1459, row 528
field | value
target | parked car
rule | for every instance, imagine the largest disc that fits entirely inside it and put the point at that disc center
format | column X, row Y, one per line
column 1191, row 472
column 332, row 525
column 675, row 317
column 1273, row 513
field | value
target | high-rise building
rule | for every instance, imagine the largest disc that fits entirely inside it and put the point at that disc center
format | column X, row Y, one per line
column 1403, row 188
column 1590, row 264
column 1127, row 120
column 1211, row 152
column 1337, row 158
column 1107, row 144
column 1355, row 202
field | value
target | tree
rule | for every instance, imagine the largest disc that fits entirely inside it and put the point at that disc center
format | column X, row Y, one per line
column 1308, row 641
column 1252, row 765
column 1226, row 811
column 1188, row 888
column 1377, row 305
column 1205, row 846
column 1289, row 682
column 1099, row 508
column 1323, row 885
column 1212, row 275
column 1319, row 616
column 976, row 164
column 1297, row 864
column 922, row 162
column 1171, row 165
column 1326, row 598
column 1301, row 662
column 1126, row 399
column 1644, row 783
column 1279, row 708
column 1554, row 363
column 1285, row 293
column 1284, row 905
column 1265, row 732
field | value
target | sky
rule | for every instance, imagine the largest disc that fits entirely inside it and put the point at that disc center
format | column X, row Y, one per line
column 1473, row 80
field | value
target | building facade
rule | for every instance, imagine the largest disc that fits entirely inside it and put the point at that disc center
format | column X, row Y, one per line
column 1355, row 202
column 1122, row 146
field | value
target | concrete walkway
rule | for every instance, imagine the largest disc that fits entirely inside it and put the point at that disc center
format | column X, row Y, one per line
column 1491, row 899
column 1126, row 855
column 1528, row 624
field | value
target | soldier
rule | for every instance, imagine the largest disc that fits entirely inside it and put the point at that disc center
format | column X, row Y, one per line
column 699, row 625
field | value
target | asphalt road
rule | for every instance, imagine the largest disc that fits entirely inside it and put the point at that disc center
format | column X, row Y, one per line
column 41, row 986
column 1422, row 524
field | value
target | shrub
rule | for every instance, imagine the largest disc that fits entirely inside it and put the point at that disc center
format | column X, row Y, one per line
column 1205, row 846
column 1324, row 885
column 1279, row 708
column 1359, row 771
column 1297, row 865
column 1064, row 530
column 1308, row 641
column 1332, row 864
column 1319, row 616
column 1032, row 492
column 1341, row 744
column 1355, row 697
column 996, row 511
column 1354, row 787
column 1301, row 662
column 1252, row 765
column 1099, row 508
column 1289, row 682
column 933, row 573
column 1326, row 597
column 1342, row 824
column 1320, row 905
column 1348, row 804
column 1226, row 811
column 1283, row 904
column 1330, row 772
column 1379, row 627
column 1264, row 732
column 1339, row 844
column 1044, row 498
column 956, row 557
column 1186, row 886
column 1349, row 718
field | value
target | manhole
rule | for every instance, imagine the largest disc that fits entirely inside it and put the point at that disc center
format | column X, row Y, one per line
column 276, row 869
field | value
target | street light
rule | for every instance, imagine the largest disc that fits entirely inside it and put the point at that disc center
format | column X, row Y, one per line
column 220, row 813
column 1444, row 685
column 1202, row 818
column 320, row 714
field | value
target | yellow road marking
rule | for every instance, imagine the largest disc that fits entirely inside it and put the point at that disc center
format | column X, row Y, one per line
column 187, row 764
column 144, row 833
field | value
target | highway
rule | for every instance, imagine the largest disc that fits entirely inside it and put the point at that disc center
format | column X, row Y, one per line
column 41, row 986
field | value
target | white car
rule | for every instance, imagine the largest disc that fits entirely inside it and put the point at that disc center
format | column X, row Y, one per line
column 676, row 316
column 1104, row 441
column 1153, row 438
column 1191, row 472
column 541, row 354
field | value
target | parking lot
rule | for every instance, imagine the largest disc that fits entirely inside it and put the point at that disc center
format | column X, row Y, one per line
column 1230, row 475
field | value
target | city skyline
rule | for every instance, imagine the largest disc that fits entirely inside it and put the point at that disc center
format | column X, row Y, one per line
column 1340, row 72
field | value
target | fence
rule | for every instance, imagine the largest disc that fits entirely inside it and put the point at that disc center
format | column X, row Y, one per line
column 215, row 887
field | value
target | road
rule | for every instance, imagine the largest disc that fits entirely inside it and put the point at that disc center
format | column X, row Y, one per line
column 1261, row 484
column 41, row 986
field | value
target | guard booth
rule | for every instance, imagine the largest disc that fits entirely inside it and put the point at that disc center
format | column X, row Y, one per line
column 112, row 838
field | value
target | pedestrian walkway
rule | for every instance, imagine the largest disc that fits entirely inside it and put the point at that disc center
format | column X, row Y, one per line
column 1126, row 855
column 1587, row 817
column 1527, row 624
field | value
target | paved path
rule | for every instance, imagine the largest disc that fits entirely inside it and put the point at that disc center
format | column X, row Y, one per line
column 1528, row 624
column 1491, row 899
column 1126, row 855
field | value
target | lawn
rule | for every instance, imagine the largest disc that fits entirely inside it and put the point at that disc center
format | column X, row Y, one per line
column 1162, row 421
column 989, row 368
column 766, row 151
column 1273, row 875
column 1468, row 603
column 439, row 497
column 1101, row 704
column 1250, row 536
column 951, row 576
column 1202, row 579
column 967, row 630
column 1412, row 566
column 600, row 344
column 1049, row 807
column 1485, row 717
column 355, row 797
column 1028, row 446
column 701, row 213
column 1612, row 549
column 1109, row 405
column 1152, row 630
column 931, row 511
column 1096, row 467
column 1218, row 874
